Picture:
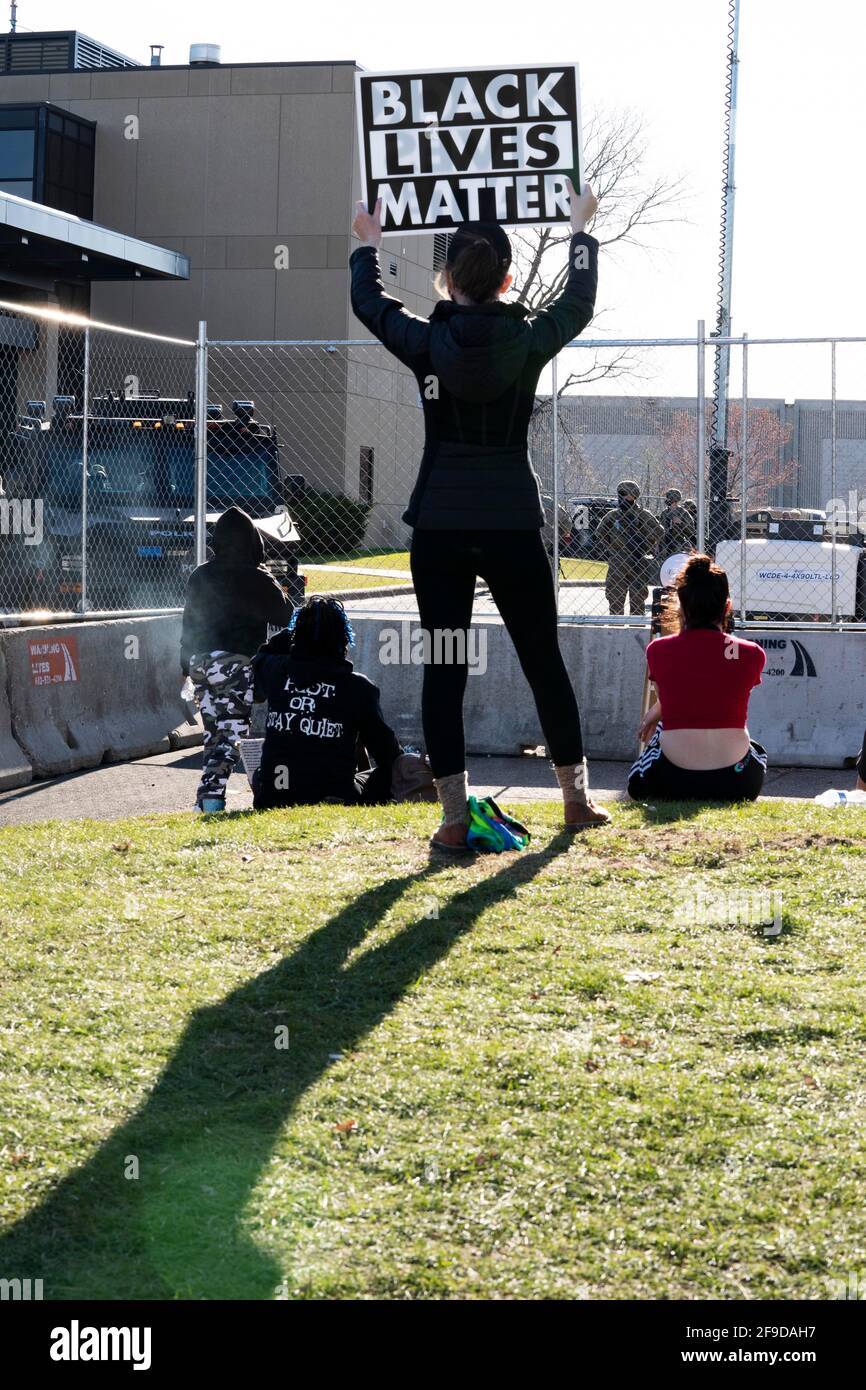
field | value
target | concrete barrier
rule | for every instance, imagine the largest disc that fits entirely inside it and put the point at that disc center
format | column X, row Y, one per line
column 606, row 665
column 15, row 770
column 85, row 693
column 810, row 710
column 76, row 695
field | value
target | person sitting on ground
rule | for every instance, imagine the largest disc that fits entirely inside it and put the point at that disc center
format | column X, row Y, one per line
column 699, row 746
column 319, row 711
column 230, row 600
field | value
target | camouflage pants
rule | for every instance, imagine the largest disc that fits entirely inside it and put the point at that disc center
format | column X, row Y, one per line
column 623, row 582
column 224, row 694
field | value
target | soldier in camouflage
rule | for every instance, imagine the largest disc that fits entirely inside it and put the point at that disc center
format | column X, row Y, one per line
column 627, row 536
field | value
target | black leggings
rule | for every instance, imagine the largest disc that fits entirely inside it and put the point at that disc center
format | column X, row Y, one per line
column 445, row 565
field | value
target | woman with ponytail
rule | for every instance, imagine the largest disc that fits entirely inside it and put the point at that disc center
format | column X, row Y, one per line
column 699, row 746
column 476, row 506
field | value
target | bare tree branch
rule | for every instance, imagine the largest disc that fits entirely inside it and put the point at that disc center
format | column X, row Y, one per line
column 630, row 204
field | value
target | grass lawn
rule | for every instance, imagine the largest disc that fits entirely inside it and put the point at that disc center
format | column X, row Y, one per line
column 542, row 1075
column 319, row 581
column 327, row 582
column 374, row 559
column 323, row 582
column 584, row 569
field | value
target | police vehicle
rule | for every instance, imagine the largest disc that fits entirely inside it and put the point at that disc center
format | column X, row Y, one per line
column 140, row 541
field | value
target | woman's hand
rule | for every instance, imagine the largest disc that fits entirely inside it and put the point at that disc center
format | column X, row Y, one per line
column 647, row 726
column 584, row 206
column 367, row 226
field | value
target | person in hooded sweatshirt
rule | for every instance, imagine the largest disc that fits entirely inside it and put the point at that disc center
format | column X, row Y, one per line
column 476, row 507
column 230, row 600
column 320, row 712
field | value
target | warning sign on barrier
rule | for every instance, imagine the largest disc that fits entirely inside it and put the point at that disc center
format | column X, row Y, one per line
column 53, row 660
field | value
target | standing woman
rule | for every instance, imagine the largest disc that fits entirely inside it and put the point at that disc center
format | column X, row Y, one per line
column 476, row 506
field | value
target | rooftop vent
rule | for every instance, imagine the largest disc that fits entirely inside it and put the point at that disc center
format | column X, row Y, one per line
column 204, row 55
column 62, row 50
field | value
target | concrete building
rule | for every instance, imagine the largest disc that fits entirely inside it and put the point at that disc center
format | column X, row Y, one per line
column 605, row 438
column 250, row 172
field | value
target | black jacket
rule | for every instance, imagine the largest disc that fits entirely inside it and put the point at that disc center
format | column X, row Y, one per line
column 477, row 368
column 317, row 713
column 229, row 599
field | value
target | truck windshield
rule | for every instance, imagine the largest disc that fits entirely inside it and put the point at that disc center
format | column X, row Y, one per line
column 154, row 471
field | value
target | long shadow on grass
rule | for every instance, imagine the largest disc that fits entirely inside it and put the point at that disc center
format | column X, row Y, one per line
column 204, row 1135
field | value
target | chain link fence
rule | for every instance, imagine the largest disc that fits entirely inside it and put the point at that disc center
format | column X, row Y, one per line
column 97, row 448
column 346, row 424
column 775, row 489
column 112, row 479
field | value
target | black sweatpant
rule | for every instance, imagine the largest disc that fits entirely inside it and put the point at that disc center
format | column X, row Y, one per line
column 372, row 787
column 653, row 775
column 445, row 566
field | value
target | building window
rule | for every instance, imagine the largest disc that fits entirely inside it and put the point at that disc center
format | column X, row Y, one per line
column 441, row 242
column 69, row 165
column 47, row 155
column 365, row 481
column 17, row 152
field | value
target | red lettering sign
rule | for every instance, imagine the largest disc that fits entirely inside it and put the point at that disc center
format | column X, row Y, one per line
column 53, row 660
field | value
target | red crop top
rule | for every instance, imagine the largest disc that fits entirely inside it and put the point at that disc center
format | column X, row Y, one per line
column 704, row 678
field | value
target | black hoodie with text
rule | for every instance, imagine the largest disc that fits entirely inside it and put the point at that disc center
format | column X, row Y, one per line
column 318, row 712
column 477, row 368
column 230, row 600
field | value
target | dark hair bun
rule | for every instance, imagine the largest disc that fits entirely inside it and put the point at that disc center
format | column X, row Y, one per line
column 702, row 586
column 698, row 568
column 478, row 271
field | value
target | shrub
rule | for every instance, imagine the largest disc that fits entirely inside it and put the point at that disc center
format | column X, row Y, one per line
column 328, row 522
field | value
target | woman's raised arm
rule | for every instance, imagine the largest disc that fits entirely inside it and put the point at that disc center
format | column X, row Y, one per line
column 402, row 333
column 569, row 314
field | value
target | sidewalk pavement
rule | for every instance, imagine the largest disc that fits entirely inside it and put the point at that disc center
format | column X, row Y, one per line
column 168, row 782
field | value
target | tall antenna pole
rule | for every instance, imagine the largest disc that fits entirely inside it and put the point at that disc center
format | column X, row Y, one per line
column 14, row 17
column 719, row 514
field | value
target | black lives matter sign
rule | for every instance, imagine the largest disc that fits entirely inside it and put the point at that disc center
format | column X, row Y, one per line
column 488, row 145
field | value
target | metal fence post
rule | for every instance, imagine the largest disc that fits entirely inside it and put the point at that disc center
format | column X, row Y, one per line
column 701, row 528
column 84, row 459
column 744, row 475
column 201, row 444
column 554, row 377
column 834, row 598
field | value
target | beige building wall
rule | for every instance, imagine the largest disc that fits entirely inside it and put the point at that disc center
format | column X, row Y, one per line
column 242, row 168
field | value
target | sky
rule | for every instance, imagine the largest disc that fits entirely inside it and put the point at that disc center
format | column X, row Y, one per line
column 800, row 203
